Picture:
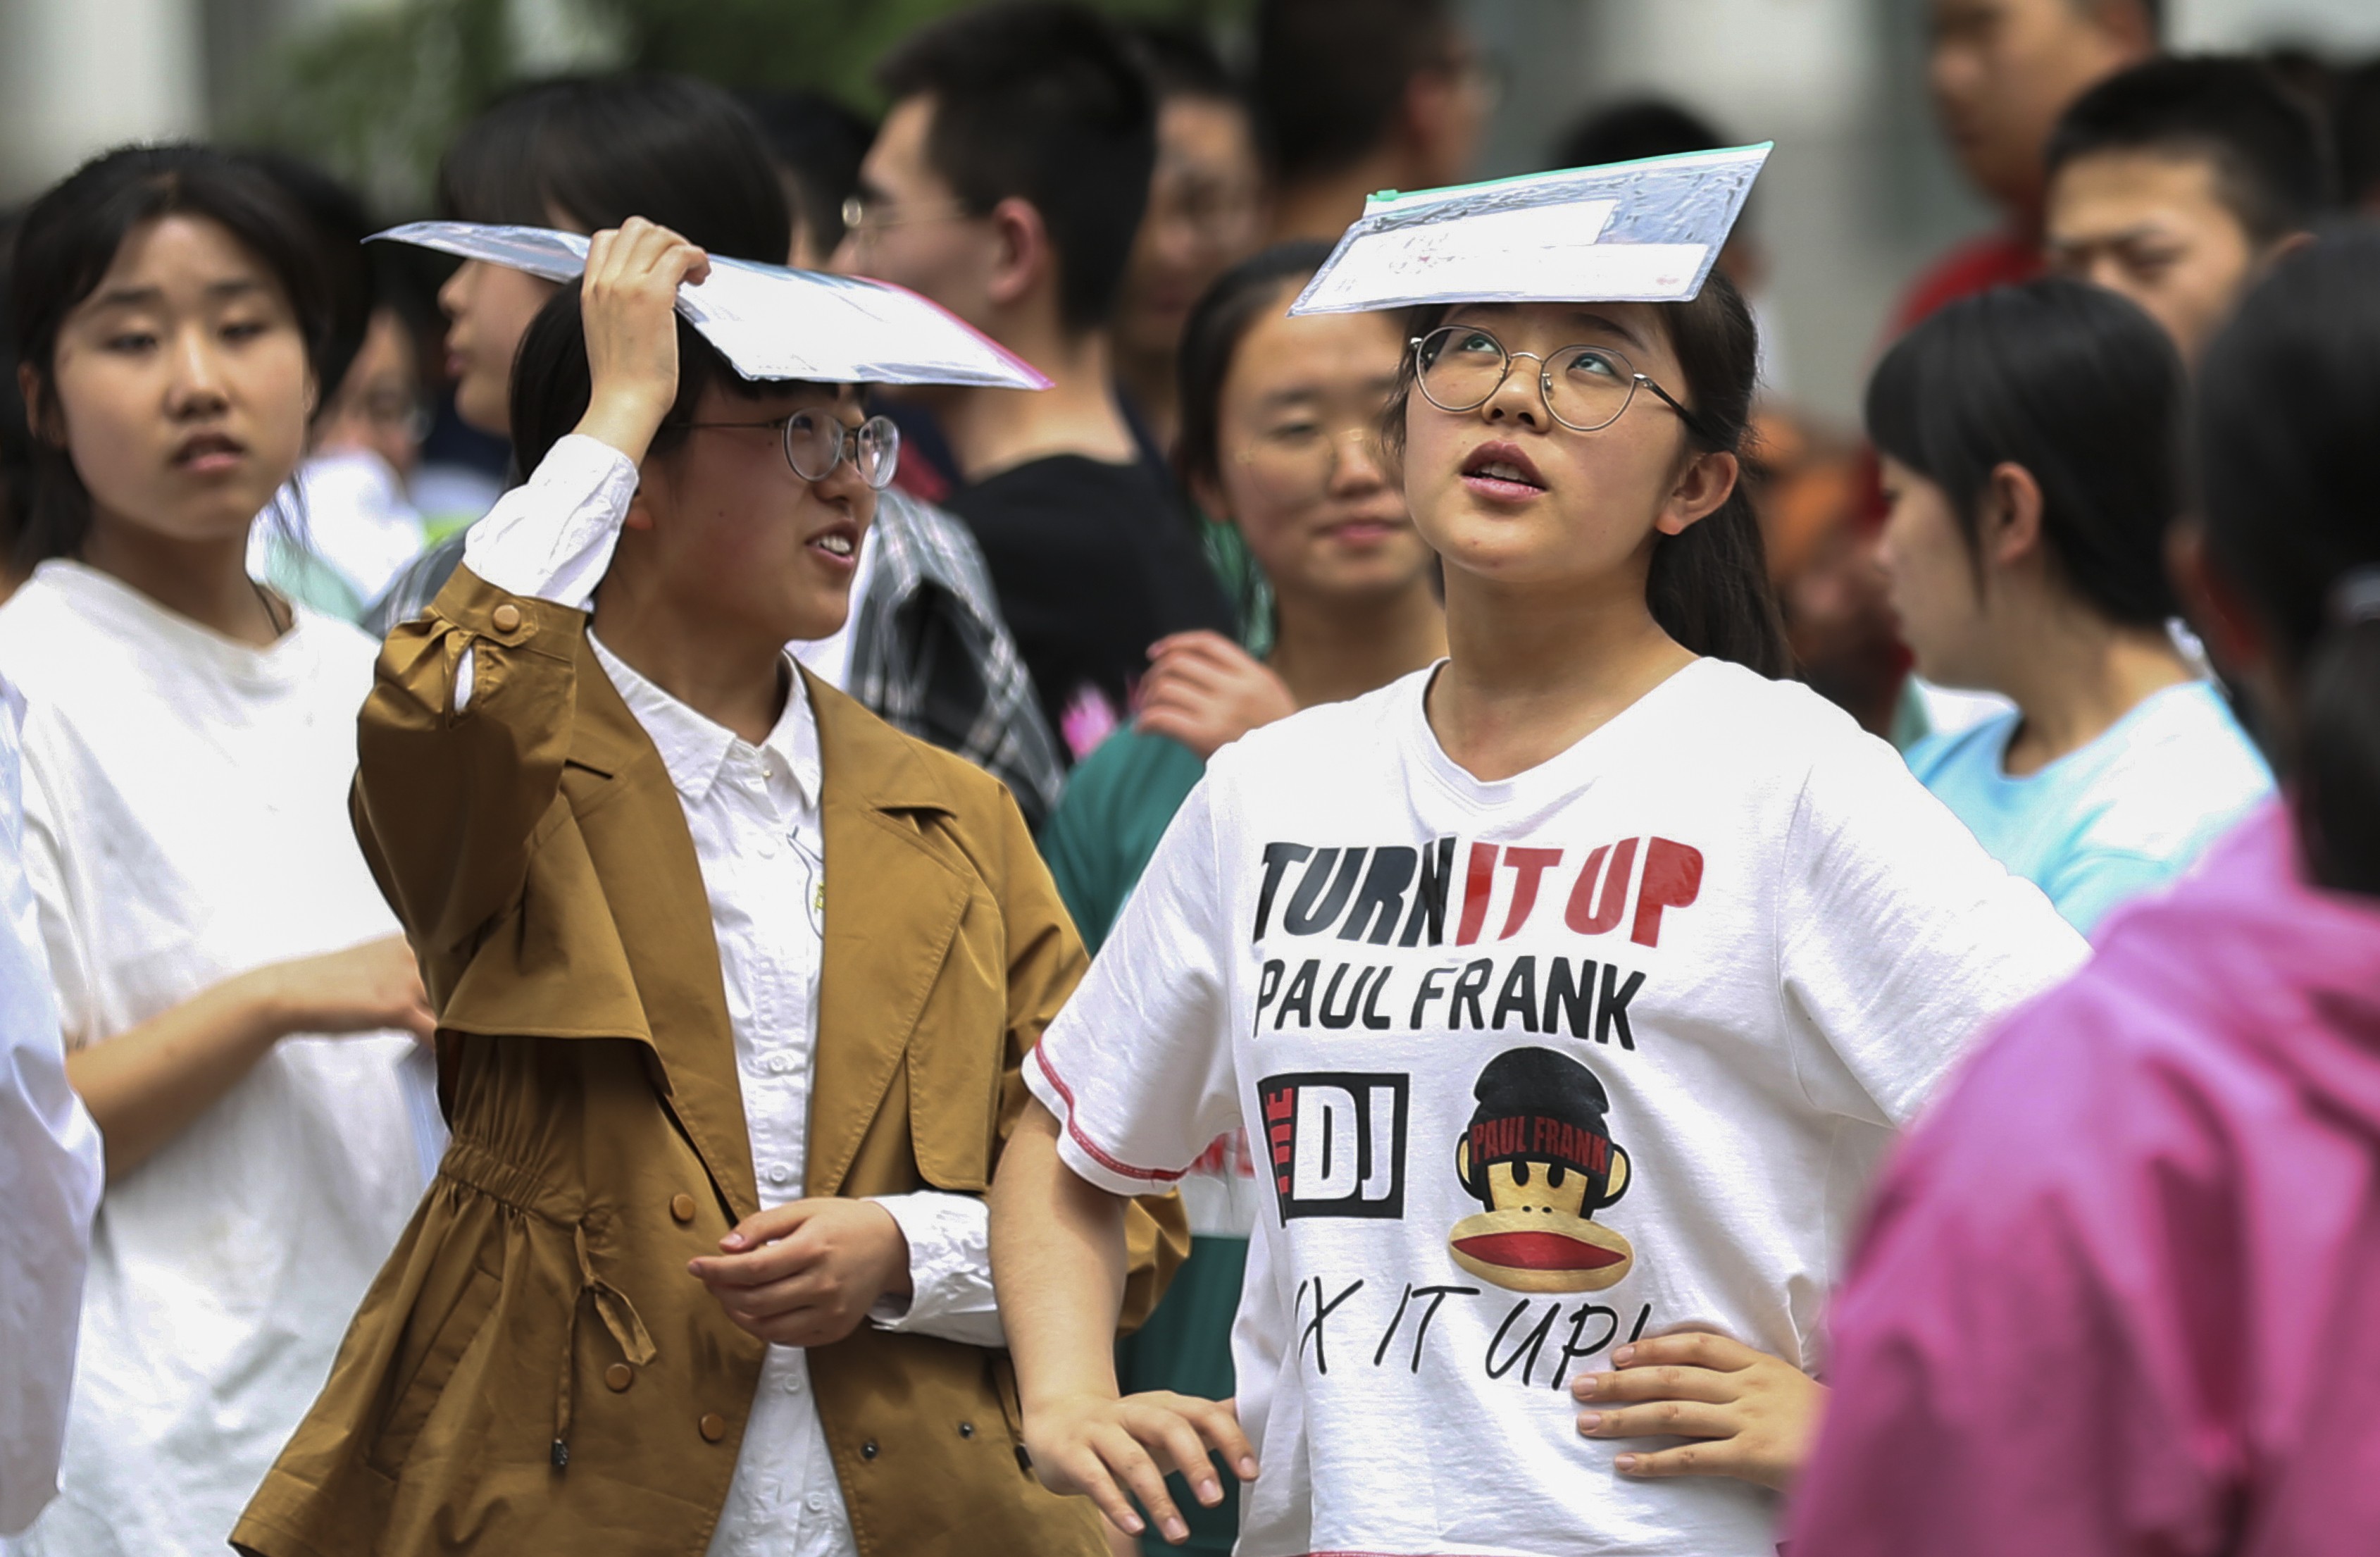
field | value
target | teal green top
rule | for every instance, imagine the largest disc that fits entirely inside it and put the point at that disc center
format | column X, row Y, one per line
column 1119, row 802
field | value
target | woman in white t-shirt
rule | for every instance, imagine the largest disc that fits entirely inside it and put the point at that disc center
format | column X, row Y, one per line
column 1571, row 989
column 188, row 741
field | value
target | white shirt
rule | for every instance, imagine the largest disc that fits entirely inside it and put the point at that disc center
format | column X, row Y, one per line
column 1534, row 1067
column 186, row 819
column 754, row 815
column 50, row 1163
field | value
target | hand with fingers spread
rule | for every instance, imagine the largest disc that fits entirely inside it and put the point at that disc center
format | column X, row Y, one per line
column 1205, row 692
column 1116, row 1452
column 1754, row 1417
column 805, row 1273
column 627, row 305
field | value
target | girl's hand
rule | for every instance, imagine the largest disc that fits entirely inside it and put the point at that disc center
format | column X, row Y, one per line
column 805, row 1273
column 1757, row 1417
column 627, row 305
column 364, row 989
column 1205, row 692
column 1086, row 1444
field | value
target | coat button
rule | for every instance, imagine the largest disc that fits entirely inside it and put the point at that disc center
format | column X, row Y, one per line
column 681, row 1207
column 868, row 1450
column 713, row 1425
column 619, row 1376
column 507, row 617
column 967, row 1429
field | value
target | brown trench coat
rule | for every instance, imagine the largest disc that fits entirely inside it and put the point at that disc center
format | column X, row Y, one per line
column 534, row 1370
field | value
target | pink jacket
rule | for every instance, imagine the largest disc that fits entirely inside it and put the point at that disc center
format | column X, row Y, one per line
column 2121, row 1291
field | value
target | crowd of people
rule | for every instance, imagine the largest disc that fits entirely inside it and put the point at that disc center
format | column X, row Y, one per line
column 1451, row 930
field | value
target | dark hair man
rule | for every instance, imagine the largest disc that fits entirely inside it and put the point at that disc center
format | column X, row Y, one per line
column 2176, row 183
column 1357, row 95
column 1007, row 184
column 2002, row 71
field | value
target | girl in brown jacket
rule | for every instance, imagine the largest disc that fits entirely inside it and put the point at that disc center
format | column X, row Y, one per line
column 704, row 1268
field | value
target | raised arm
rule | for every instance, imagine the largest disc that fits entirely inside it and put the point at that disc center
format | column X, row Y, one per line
column 462, row 742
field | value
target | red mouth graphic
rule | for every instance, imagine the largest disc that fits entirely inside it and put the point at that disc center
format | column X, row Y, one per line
column 1537, row 1252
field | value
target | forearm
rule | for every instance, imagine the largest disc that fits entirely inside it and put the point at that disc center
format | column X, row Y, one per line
column 147, row 1084
column 1058, row 1261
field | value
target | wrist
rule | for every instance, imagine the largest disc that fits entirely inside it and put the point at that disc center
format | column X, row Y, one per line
column 261, row 1005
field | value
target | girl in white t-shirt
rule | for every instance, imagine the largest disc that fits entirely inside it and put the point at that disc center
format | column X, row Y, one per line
column 208, row 921
column 1570, row 990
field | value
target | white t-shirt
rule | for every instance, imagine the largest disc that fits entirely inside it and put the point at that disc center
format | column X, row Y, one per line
column 186, row 819
column 1701, row 963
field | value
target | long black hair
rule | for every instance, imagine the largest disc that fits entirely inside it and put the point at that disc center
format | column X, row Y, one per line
column 2288, row 399
column 1709, row 586
column 598, row 151
column 2078, row 387
column 68, row 239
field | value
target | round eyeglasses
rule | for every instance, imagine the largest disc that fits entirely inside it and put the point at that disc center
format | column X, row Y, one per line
column 1460, row 366
column 816, row 442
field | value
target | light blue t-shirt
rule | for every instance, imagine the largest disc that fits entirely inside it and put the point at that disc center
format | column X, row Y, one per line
column 2128, row 813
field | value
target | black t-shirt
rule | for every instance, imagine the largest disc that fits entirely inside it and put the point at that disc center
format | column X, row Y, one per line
column 1094, row 562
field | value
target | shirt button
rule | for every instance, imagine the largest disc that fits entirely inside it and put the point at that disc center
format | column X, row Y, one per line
column 780, row 1173
column 780, row 1064
column 817, row 1502
column 793, row 1383
column 619, row 1376
column 681, row 1207
column 506, row 617
column 713, row 1427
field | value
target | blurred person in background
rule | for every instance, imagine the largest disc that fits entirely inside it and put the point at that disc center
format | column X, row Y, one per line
column 924, row 646
column 239, row 1008
column 2031, row 450
column 1206, row 214
column 50, row 1160
column 1007, row 185
column 1355, row 96
column 2115, row 1293
column 1278, row 434
column 15, row 440
column 2178, row 182
column 818, row 144
column 2001, row 72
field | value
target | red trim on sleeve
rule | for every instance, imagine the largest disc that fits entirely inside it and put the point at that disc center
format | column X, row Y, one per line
column 1091, row 1147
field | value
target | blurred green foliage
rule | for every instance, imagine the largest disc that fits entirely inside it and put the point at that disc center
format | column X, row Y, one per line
column 373, row 93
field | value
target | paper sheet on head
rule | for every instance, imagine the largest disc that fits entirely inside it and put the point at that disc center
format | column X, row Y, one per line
column 771, row 322
column 1632, row 232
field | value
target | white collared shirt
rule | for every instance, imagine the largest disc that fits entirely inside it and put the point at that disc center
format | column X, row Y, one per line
column 753, row 811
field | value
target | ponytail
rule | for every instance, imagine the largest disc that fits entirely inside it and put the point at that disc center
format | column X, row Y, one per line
column 2288, row 396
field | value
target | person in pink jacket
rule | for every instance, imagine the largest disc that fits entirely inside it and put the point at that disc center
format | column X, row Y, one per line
column 2121, row 1291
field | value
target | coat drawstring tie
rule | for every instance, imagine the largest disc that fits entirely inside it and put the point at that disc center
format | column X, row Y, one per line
column 619, row 1317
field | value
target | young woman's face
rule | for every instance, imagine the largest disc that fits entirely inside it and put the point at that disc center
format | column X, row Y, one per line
column 180, row 385
column 1930, row 578
column 1300, row 474
column 489, row 309
column 1506, row 493
column 736, row 536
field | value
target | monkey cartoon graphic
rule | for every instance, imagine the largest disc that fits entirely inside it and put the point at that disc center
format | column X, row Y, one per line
column 1539, row 1158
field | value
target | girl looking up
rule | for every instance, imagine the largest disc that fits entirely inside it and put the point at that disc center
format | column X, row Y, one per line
column 234, row 995
column 733, row 982
column 1572, row 987
column 2030, row 439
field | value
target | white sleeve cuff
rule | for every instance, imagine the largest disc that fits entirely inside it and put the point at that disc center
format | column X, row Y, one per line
column 1086, row 1159
column 950, row 1270
column 551, row 537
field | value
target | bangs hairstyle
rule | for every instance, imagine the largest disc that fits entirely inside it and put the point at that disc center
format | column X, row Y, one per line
column 66, row 244
column 2077, row 387
column 1042, row 102
column 552, row 382
column 597, row 151
column 1709, row 586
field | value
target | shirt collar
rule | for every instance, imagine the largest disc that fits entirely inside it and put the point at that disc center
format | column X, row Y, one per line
column 696, row 749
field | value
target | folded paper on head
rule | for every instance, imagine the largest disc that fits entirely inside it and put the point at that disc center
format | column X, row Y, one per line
column 771, row 322
column 1644, row 232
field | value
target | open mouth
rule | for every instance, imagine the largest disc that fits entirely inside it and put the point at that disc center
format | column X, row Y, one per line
column 1501, row 471
column 204, row 452
column 841, row 542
